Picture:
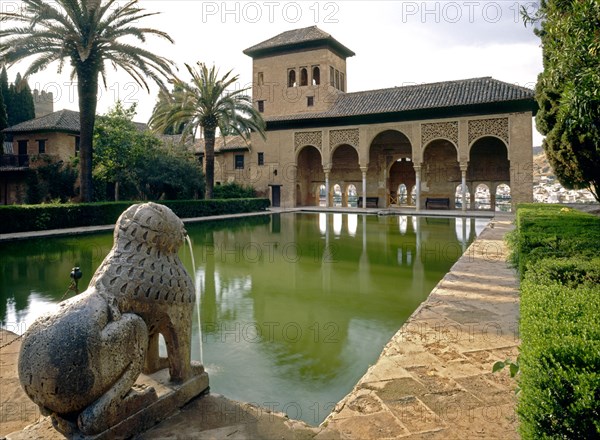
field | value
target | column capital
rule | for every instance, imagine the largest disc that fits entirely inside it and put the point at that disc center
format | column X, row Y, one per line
column 417, row 168
column 464, row 166
column 327, row 169
column 364, row 169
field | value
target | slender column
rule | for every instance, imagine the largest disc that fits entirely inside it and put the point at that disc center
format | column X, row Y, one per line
column 418, row 185
column 364, row 187
column 326, row 171
column 463, row 177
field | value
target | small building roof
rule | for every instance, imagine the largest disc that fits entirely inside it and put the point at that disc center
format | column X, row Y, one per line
column 298, row 39
column 223, row 145
column 62, row 120
column 448, row 95
column 65, row 121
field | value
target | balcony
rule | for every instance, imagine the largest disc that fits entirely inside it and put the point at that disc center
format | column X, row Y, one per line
column 14, row 161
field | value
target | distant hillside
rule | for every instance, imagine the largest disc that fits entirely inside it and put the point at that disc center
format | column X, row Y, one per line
column 541, row 167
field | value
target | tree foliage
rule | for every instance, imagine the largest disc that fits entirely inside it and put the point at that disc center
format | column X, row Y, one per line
column 206, row 105
column 88, row 35
column 137, row 165
column 20, row 106
column 568, row 90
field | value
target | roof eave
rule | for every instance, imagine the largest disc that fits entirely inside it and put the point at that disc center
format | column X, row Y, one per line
column 42, row 130
column 521, row 105
column 330, row 43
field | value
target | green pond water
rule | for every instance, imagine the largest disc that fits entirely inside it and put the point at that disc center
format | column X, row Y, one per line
column 294, row 307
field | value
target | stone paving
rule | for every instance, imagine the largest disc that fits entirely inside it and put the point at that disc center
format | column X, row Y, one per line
column 432, row 381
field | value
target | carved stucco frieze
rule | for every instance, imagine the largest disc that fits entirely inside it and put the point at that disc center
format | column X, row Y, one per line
column 437, row 130
column 346, row 136
column 488, row 127
column 303, row 138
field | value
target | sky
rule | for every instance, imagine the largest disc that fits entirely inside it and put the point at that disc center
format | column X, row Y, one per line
column 396, row 43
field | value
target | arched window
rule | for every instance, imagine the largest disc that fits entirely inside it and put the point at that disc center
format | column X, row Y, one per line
column 291, row 78
column 503, row 198
column 337, row 195
column 303, row 76
column 316, row 76
column 352, row 194
column 402, row 194
column 482, row 197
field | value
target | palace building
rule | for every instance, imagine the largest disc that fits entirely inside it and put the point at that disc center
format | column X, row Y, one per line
column 429, row 145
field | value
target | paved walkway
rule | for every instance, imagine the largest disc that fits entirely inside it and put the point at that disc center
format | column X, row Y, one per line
column 432, row 381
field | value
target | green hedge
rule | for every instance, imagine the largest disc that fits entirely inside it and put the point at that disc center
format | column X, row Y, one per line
column 23, row 218
column 559, row 361
column 560, row 323
column 553, row 231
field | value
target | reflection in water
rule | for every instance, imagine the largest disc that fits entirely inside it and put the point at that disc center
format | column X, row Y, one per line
column 352, row 224
column 337, row 224
column 402, row 223
column 290, row 318
column 322, row 223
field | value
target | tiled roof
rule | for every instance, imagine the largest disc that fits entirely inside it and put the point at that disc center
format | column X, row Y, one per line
column 439, row 95
column 62, row 120
column 297, row 38
column 222, row 145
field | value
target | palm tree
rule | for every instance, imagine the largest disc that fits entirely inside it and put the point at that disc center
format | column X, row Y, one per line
column 205, row 105
column 87, row 34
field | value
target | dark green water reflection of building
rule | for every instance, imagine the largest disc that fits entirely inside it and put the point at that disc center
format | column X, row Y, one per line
column 294, row 307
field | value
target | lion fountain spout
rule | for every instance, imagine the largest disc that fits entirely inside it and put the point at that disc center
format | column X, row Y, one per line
column 93, row 365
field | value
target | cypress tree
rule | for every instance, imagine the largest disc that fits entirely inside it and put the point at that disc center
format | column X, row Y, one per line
column 3, row 121
column 21, row 107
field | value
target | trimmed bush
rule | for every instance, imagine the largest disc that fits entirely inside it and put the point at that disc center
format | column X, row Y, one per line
column 233, row 190
column 553, row 231
column 23, row 218
column 559, row 361
column 556, row 250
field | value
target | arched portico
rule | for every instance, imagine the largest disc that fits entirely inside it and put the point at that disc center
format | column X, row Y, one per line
column 440, row 172
column 345, row 170
column 488, row 165
column 309, row 176
column 390, row 164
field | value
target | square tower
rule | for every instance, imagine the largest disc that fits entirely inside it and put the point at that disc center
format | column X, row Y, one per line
column 298, row 71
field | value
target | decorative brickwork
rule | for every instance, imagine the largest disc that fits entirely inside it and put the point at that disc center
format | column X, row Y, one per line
column 486, row 127
column 347, row 136
column 436, row 130
column 303, row 138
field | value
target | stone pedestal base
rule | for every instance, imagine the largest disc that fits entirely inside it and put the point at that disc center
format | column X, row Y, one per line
column 170, row 397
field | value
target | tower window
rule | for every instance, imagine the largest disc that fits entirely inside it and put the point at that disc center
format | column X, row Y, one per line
column 342, row 82
column 316, row 75
column 310, row 101
column 331, row 76
column 261, row 106
column 261, row 158
column 337, row 79
column 261, row 79
column 303, row 76
column 291, row 78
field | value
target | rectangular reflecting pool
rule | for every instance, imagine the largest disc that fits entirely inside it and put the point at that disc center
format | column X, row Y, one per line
column 294, row 307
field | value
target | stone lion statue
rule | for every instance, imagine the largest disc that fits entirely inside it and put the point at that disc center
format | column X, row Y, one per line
column 79, row 364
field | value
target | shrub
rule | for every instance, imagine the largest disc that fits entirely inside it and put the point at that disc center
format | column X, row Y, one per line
column 21, row 218
column 233, row 190
column 556, row 251
column 559, row 361
column 553, row 231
